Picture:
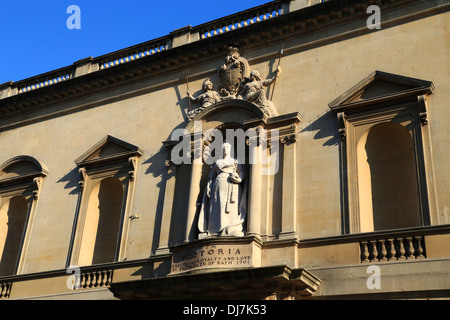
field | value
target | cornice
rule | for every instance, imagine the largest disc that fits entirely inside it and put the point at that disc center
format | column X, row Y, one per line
column 261, row 34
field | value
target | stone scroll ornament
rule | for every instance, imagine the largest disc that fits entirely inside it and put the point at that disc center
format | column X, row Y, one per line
column 235, row 82
column 223, row 209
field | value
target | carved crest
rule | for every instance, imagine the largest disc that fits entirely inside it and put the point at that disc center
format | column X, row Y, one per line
column 232, row 73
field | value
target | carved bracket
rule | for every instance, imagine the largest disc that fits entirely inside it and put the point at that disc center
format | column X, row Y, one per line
column 341, row 125
column 133, row 162
column 423, row 112
column 288, row 135
column 82, row 173
column 37, row 183
column 287, row 126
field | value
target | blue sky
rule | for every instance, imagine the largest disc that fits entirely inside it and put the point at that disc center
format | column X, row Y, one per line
column 35, row 38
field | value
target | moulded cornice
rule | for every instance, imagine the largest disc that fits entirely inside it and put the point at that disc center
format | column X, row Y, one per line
column 286, row 26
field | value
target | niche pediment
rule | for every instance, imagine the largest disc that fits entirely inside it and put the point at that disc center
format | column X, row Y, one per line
column 22, row 167
column 107, row 150
column 381, row 87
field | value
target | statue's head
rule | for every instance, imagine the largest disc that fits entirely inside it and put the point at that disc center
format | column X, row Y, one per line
column 226, row 148
column 255, row 75
column 207, row 85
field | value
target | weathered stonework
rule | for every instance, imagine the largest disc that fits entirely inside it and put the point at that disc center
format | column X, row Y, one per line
column 346, row 98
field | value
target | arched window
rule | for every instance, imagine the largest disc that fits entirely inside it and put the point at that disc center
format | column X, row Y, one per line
column 20, row 182
column 387, row 183
column 101, row 230
column 13, row 215
column 108, row 173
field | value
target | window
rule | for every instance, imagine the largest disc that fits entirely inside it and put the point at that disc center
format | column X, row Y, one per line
column 385, row 167
column 20, row 182
column 107, row 182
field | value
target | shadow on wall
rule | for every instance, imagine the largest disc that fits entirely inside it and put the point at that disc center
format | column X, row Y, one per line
column 324, row 127
column 156, row 166
column 71, row 180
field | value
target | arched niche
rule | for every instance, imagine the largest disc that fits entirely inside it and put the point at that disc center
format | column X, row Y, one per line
column 387, row 178
column 386, row 115
column 190, row 177
column 21, row 179
column 101, row 230
column 13, row 215
column 108, row 171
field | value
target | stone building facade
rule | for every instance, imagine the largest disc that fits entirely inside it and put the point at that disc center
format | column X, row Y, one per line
column 113, row 184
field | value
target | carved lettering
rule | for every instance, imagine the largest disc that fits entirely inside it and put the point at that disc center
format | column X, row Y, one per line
column 213, row 256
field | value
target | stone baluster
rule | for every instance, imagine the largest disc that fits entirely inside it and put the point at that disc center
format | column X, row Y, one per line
column 391, row 247
column 5, row 289
column 364, row 251
column 419, row 248
column 383, row 251
column 374, row 251
column 88, row 280
column 409, row 248
column 98, row 279
column 401, row 249
column 83, row 281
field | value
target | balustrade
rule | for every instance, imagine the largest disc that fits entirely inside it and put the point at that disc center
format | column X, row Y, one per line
column 130, row 54
column 390, row 249
column 5, row 289
column 243, row 19
column 45, row 80
column 95, row 279
column 232, row 22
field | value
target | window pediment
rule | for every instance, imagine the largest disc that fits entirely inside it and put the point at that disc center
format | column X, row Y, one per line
column 380, row 87
column 107, row 150
column 21, row 168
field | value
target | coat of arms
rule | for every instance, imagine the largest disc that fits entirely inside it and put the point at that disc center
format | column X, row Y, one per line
column 235, row 82
column 232, row 73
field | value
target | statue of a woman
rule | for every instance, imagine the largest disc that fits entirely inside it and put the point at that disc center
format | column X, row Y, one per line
column 254, row 91
column 223, row 210
column 207, row 98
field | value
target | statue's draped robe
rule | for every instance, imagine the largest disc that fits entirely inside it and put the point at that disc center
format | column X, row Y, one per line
column 254, row 92
column 223, row 209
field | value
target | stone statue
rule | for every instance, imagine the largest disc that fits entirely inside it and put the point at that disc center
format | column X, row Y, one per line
column 223, row 209
column 253, row 90
column 207, row 98
column 236, row 83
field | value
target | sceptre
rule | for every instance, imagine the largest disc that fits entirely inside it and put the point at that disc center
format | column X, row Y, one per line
column 186, row 74
column 279, row 61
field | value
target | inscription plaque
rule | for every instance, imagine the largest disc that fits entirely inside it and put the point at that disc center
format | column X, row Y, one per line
column 217, row 255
